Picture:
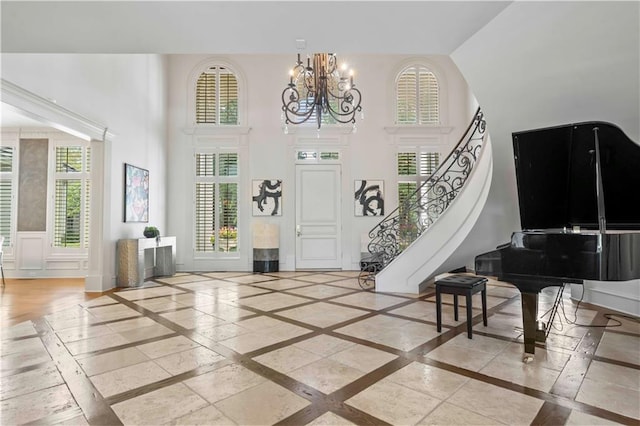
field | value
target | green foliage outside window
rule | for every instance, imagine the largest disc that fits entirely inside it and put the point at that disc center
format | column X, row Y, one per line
column 216, row 219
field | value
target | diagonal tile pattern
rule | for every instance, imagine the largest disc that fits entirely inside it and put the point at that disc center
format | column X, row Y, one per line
column 308, row 347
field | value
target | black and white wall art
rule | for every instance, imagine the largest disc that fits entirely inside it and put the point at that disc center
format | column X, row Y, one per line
column 369, row 198
column 267, row 197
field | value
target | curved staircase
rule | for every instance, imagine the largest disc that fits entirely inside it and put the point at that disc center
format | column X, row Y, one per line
column 424, row 236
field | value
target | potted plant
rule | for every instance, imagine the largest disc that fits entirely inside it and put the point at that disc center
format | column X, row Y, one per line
column 151, row 232
column 228, row 238
column 228, row 233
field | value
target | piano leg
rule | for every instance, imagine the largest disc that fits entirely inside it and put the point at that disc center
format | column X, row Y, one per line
column 529, row 323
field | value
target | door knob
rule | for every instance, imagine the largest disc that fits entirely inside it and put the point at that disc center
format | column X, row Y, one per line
column 298, row 233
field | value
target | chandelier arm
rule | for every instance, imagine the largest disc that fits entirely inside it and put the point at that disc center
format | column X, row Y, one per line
column 291, row 108
column 346, row 108
column 343, row 118
column 349, row 98
column 294, row 95
column 292, row 117
column 293, row 98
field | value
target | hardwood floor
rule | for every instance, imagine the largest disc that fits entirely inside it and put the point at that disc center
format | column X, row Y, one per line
column 28, row 299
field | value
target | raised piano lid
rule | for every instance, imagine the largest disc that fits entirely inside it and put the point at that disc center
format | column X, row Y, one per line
column 555, row 171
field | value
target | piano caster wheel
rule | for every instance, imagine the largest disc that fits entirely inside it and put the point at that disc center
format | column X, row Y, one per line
column 528, row 358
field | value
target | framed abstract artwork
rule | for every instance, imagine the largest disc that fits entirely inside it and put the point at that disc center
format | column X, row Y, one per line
column 369, row 197
column 136, row 194
column 267, row 197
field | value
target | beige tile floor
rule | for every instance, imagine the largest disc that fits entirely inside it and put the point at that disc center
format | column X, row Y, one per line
column 312, row 348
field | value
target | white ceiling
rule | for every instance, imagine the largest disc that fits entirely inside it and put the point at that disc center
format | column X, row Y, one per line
column 166, row 27
column 219, row 27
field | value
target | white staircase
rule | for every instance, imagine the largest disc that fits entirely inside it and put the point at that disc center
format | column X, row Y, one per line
column 440, row 248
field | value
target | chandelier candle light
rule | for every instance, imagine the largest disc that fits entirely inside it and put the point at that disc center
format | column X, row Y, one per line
column 321, row 89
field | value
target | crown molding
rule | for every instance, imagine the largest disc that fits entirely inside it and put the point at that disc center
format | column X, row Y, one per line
column 51, row 114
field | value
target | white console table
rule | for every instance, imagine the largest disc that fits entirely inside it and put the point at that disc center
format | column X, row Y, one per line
column 142, row 258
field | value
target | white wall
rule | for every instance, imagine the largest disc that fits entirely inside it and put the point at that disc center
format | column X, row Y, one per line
column 367, row 154
column 541, row 64
column 127, row 93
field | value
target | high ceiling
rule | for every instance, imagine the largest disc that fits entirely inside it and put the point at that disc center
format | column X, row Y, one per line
column 166, row 27
column 226, row 27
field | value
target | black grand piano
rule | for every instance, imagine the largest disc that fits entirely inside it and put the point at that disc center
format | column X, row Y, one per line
column 579, row 197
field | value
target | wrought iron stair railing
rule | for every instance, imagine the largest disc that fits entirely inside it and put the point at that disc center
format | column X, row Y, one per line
column 393, row 234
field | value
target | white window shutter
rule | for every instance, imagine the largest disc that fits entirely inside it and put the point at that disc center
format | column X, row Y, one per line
column 217, row 97
column 417, row 97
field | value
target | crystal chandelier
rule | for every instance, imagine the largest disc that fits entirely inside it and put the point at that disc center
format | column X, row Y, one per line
column 320, row 90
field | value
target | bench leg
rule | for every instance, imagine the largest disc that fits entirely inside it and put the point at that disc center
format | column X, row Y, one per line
column 438, row 311
column 484, row 307
column 455, row 307
column 469, row 316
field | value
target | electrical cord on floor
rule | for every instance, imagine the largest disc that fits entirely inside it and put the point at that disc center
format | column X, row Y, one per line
column 548, row 311
column 609, row 316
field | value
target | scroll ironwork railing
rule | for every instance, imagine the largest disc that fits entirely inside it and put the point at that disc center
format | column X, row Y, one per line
column 425, row 205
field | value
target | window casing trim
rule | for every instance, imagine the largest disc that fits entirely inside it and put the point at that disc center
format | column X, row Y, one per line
column 443, row 97
column 84, row 176
column 10, row 140
column 218, row 147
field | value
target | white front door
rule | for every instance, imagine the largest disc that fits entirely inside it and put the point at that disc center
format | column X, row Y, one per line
column 318, row 210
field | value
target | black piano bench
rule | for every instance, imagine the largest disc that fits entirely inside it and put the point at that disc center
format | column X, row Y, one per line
column 461, row 285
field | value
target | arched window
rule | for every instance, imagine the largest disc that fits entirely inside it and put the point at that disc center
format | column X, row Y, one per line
column 417, row 96
column 217, row 97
